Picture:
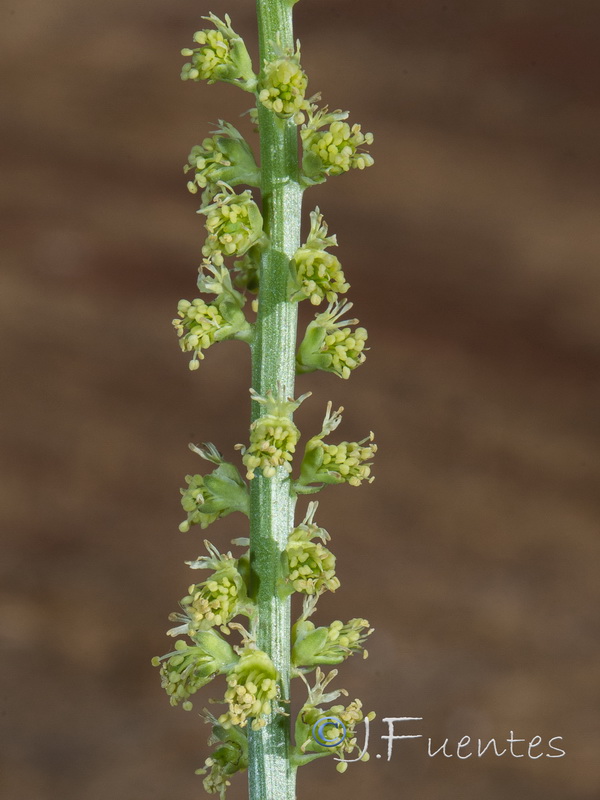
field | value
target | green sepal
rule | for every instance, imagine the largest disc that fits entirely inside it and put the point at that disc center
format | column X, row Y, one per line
column 313, row 170
column 243, row 168
column 310, row 357
column 308, row 648
column 310, row 469
column 222, row 653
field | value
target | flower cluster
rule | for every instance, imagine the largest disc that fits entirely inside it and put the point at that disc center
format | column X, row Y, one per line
column 328, row 645
column 215, row 601
column 311, row 566
column 224, row 157
column 188, row 668
column 315, row 273
column 221, row 56
column 331, row 345
column 229, row 757
column 283, row 87
column 351, row 461
column 346, row 462
column 210, row 497
column 252, row 688
column 273, row 436
column 308, row 746
column 334, row 150
column 233, row 222
column 199, row 326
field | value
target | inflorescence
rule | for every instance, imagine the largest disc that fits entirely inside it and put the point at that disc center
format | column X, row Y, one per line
column 231, row 255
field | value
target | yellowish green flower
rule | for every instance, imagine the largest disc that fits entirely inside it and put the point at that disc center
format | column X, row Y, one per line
column 199, row 325
column 229, row 757
column 221, row 56
column 252, row 688
column 213, row 603
column 337, row 148
column 273, row 436
column 282, row 87
column 233, row 222
column 308, row 746
column 332, row 345
column 311, row 566
column 315, row 273
column 226, row 157
column 210, row 497
column 188, row 668
column 328, row 645
column 346, row 462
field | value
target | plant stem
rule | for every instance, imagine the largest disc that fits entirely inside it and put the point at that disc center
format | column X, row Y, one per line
column 271, row 777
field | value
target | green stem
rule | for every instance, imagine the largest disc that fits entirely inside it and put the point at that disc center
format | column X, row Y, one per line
column 271, row 776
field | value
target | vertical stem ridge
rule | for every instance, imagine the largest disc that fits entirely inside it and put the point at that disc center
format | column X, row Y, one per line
column 271, row 777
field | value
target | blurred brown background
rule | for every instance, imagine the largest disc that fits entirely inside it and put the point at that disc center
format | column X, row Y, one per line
column 473, row 249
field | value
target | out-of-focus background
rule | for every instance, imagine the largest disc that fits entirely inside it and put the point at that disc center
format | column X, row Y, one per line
column 472, row 247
